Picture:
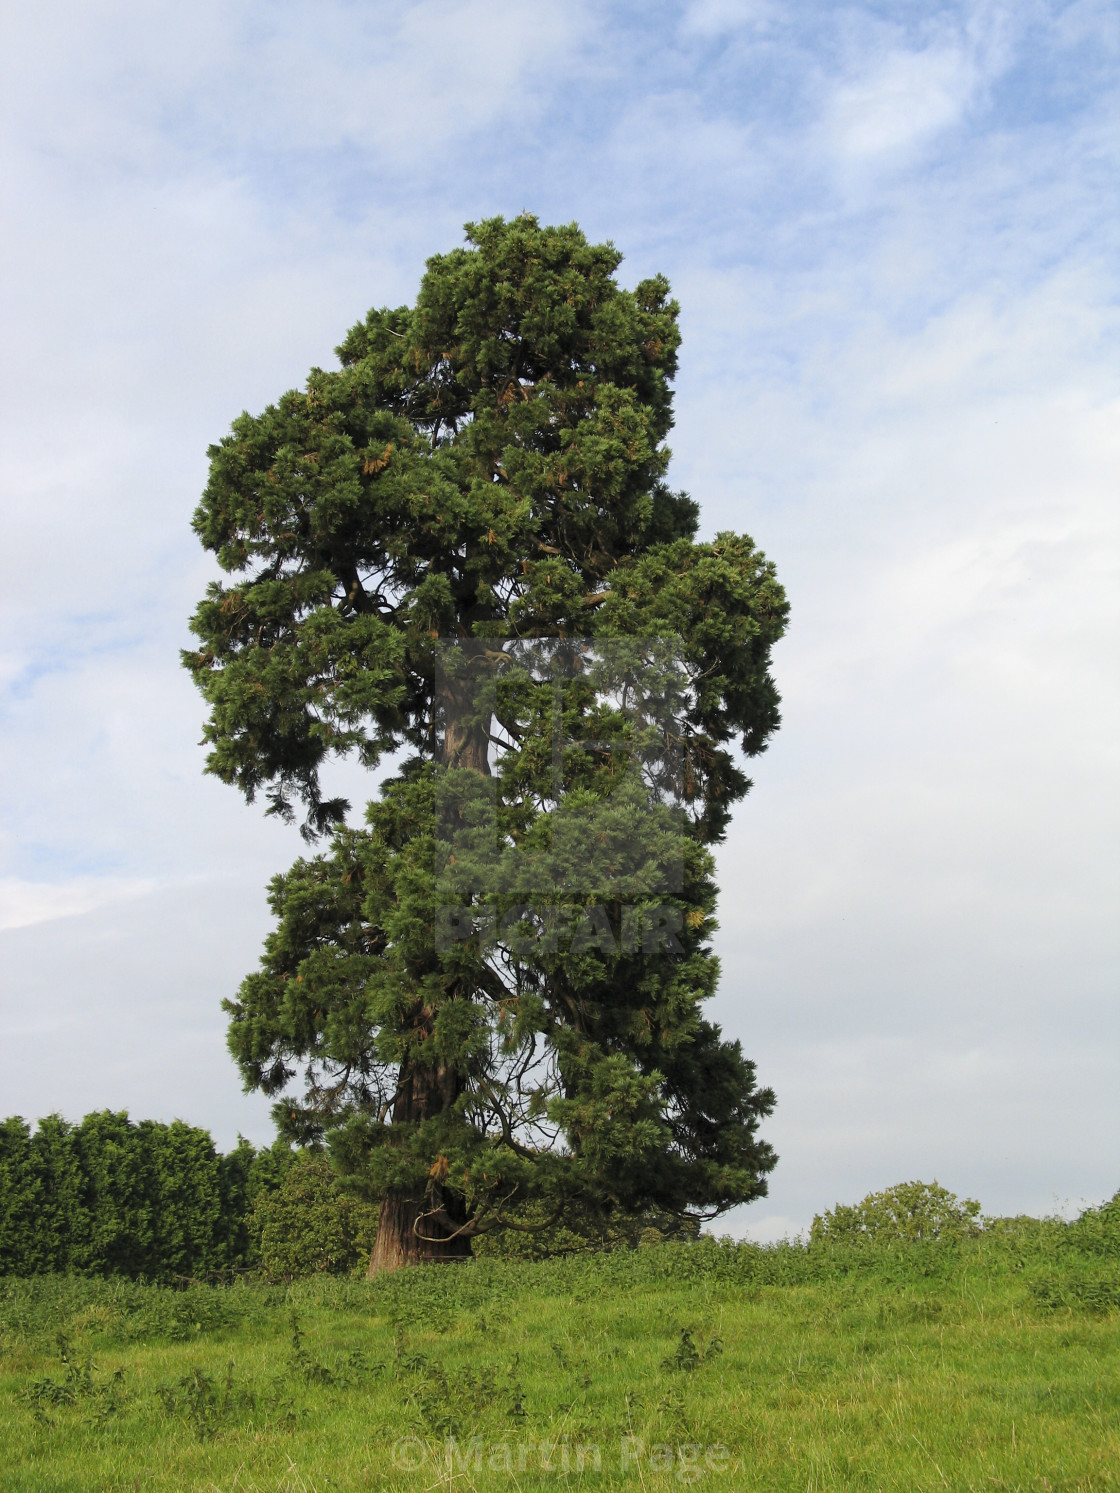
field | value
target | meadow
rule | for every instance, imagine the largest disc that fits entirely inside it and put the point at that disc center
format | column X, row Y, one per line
column 987, row 1362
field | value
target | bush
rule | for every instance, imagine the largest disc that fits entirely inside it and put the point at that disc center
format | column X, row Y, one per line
column 1097, row 1231
column 902, row 1214
column 309, row 1226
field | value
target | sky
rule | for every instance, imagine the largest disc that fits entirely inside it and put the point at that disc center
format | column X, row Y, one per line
column 892, row 229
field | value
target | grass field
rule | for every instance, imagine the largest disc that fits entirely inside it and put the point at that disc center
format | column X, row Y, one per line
column 988, row 1363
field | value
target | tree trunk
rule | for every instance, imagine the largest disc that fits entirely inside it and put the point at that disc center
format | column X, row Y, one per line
column 466, row 741
column 405, row 1236
column 415, row 1230
column 397, row 1243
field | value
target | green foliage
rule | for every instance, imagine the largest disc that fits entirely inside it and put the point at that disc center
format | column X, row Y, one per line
column 487, row 467
column 78, row 1382
column 19, row 1245
column 150, row 1197
column 692, row 1350
column 905, row 1213
column 109, row 1197
column 116, row 1311
column 309, row 1225
column 1097, row 1230
column 1087, row 1292
column 534, row 1234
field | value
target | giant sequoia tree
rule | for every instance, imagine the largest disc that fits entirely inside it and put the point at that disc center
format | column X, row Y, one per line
column 460, row 547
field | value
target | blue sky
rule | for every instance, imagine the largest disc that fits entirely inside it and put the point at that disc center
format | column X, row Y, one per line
column 893, row 231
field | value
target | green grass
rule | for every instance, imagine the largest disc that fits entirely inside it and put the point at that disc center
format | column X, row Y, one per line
column 991, row 1363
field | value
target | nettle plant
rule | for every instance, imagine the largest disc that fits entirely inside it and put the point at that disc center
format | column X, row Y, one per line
column 460, row 547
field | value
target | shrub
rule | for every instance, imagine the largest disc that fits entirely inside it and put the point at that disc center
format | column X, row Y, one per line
column 1098, row 1229
column 308, row 1225
column 902, row 1214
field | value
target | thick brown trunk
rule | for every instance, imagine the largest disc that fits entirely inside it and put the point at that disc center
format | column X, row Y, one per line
column 398, row 1243
column 466, row 742
column 419, row 1230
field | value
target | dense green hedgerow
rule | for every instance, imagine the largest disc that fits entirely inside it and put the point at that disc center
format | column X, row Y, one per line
column 157, row 1202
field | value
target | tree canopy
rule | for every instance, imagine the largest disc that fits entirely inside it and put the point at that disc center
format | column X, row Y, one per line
column 460, row 547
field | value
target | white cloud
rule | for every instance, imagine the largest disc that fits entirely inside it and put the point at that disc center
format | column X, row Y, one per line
column 908, row 96
column 25, row 903
column 300, row 77
column 895, row 98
